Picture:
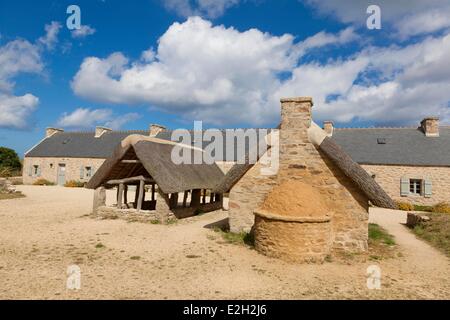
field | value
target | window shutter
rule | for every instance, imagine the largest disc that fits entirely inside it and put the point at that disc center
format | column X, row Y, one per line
column 428, row 188
column 39, row 171
column 404, row 187
column 81, row 172
column 30, row 170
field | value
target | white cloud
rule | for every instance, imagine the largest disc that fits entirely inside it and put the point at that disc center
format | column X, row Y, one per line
column 88, row 118
column 83, row 32
column 15, row 110
column 224, row 76
column 51, row 37
column 199, row 69
column 408, row 17
column 205, row 8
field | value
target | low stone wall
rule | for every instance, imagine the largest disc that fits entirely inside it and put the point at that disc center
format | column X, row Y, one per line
column 203, row 208
column 105, row 212
column 293, row 239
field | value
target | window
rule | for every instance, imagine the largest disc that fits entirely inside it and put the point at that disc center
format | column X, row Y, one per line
column 415, row 186
column 35, row 170
column 88, row 171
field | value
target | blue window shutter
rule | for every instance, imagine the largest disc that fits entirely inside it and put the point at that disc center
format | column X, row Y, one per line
column 81, row 172
column 428, row 188
column 404, row 187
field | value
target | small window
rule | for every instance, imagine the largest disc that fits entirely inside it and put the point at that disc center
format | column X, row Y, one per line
column 51, row 165
column 88, row 171
column 35, row 170
column 381, row 140
column 415, row 186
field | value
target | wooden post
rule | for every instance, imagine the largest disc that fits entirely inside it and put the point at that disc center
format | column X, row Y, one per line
column 153, row 192
column 173, row 200
column 204, row 196
column 125, row 195
column 119, row 197
column 185, row 198
column 211, row 197
column 136, row 196
column 141, row 195
column 195, row 198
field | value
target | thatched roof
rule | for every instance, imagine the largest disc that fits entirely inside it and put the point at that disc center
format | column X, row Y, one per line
column 155, row 161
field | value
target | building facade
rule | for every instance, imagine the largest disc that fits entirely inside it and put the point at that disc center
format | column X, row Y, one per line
column 411, row 164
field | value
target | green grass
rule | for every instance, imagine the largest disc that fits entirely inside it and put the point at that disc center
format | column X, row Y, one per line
column 135, row 258
column 378, row 234
column 436, row 231
column 244, row 238
column 418, row 207
column 99, row 245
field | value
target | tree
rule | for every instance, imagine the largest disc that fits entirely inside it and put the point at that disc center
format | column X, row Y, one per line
column 9, row 159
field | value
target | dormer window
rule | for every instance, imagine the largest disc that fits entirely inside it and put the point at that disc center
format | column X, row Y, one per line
column 381, row 140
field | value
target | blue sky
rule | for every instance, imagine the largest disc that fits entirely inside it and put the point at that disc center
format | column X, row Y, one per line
column 226, row 62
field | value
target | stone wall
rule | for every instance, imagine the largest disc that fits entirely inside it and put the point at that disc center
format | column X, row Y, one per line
column 299, row 159
column 49, row 168
column 389, row 177
column 132, row 215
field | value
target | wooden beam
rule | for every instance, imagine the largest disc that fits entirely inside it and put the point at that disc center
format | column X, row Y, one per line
column 131, row 161
column 204, row 196
column 153, row 192
column 195, row 198
column 125, row 195
column 141, row 195
column 130, row 180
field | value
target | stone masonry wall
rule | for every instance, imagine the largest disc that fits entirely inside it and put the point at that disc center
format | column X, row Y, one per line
column 389, row 178
column 49, row 168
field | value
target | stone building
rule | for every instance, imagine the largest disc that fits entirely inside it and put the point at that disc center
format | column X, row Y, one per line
column 306, row 155
column 411, row 164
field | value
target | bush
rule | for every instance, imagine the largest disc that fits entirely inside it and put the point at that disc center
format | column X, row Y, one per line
column 441, row 208
column 405, row 206
column 43, row 182
column 9, row 162
column 74, row 184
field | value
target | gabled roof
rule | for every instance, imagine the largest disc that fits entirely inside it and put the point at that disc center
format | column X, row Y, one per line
column 156, row 162
column 395, row 146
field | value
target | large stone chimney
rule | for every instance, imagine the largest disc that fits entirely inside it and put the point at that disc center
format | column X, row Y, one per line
column 430, row 126
column 155, row 129
column 328, row 127
column 295, row 121
column 99, row 131
column 51, row 131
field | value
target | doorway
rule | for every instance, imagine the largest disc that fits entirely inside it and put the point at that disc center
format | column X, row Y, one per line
column 61, row 174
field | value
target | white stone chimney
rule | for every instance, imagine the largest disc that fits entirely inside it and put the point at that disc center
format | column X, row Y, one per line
column 430, row 126
column 328, row 127
column 51, row 131
column 155, row 129
column 99, row 131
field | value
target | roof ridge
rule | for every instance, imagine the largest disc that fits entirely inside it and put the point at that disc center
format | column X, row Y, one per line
column 350, row 128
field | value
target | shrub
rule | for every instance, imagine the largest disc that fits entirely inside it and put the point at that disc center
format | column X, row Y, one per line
column 9, row 162
column 441, row 208
column 405, row 206
column 74, row 184
column 43, row 182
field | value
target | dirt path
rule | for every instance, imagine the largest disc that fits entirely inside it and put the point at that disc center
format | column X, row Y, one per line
column 422, row 257
column 44, row 233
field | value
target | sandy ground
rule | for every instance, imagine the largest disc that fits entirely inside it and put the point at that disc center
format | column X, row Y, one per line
column 44, row 233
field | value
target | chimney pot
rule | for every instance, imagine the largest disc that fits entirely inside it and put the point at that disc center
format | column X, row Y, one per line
column 155, row 129
column 51, row 131
column 296, row 113
column 99, row 131
column 430, row 126
column 328, row 126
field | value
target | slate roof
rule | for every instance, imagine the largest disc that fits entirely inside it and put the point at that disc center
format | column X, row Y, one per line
column 402, row 146
column 85, row 145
